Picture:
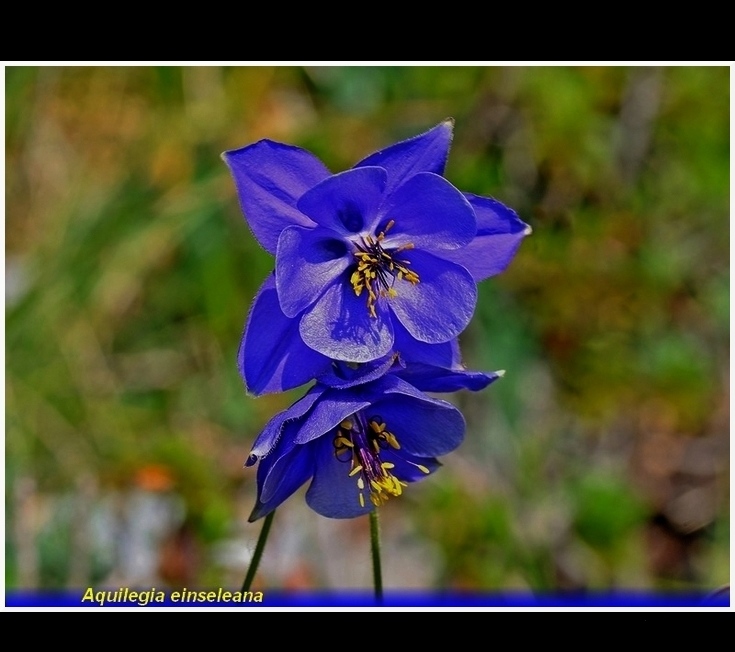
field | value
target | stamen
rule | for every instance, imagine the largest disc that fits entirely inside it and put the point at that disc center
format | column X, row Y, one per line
column 377, row 269
column 360, row 441
column 392, row 440
column 377, row 427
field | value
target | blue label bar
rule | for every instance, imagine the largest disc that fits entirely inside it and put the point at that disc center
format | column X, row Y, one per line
column 152, row 597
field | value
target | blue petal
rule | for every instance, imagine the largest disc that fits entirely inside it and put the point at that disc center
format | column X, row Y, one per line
column 342, row 375
column 339, row 325
column 424, row 426
column 308, row 260
column 280, row 475
column 347, row 202
column 428, row 213
column 270, row 177
column 410, row 350
column 499, row 234
column 440, row 306
column 332, row 409
column 426, row 152
column 272, row 355
column 429, row 378
column 435, row 367
column 270, row 436
column 333, row 493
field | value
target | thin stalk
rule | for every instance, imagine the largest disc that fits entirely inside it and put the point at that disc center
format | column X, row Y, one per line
column 375, row 549
column 258, row 552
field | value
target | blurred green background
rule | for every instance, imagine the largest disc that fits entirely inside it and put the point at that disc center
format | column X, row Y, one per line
column 600, row 461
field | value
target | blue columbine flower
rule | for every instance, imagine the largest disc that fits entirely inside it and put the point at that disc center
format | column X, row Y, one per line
column 386, row 247
column 359, row 446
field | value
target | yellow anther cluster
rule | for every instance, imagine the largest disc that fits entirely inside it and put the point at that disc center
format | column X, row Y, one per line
column 385, row 487
column 372, row 474
column 377, row 269
column 382, row 435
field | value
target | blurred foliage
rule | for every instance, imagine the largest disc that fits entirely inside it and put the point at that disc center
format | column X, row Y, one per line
column 600, row 460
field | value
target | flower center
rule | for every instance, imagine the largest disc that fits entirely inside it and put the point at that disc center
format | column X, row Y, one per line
column 378, row 269
column 360, row 442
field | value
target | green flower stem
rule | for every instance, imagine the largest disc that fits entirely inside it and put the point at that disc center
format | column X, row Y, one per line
column 258, row 551
column 375, row 549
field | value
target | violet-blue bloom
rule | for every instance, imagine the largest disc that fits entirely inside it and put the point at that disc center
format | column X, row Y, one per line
column 359, row 446
column 387, row 245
